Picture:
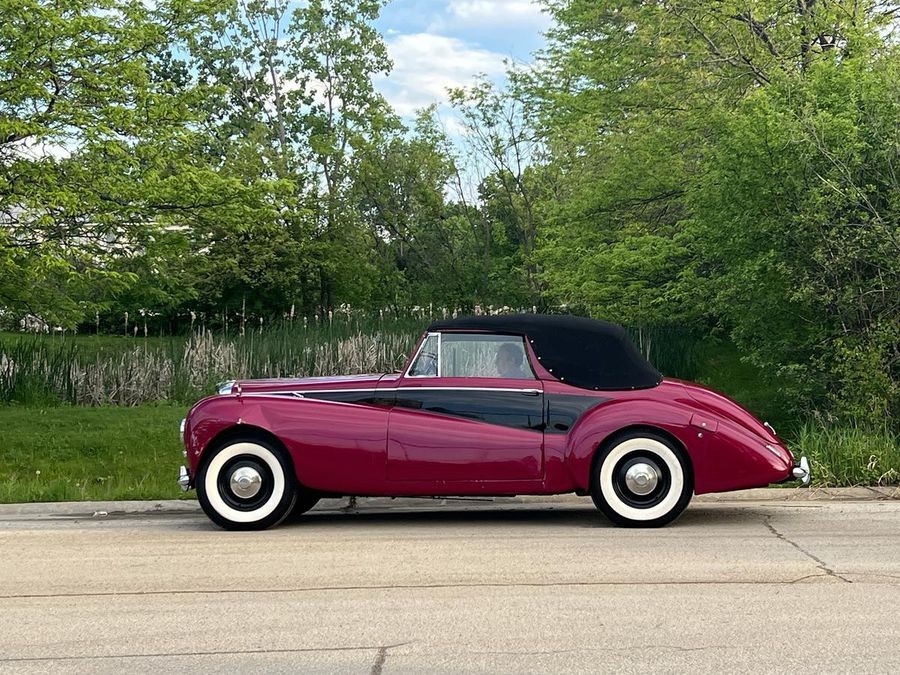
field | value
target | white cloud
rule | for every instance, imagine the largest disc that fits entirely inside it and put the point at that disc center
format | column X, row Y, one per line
column 484, row 13
column 31, row 148
column 426, row 65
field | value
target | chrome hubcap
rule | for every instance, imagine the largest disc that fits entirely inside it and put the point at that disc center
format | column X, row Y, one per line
column 245, row 482
column 641, row 478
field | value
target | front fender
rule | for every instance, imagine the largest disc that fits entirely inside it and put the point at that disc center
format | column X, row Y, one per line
column 334, row 446
column 212, row 416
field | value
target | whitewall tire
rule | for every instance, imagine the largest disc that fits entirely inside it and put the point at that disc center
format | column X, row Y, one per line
column 641, row 479
column 247, row 484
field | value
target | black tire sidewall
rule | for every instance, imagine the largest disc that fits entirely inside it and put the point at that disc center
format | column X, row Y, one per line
column 305, row 501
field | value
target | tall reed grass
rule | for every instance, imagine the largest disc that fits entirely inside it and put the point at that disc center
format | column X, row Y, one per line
column 849, row 454
column 47, row 370
column 104, row 370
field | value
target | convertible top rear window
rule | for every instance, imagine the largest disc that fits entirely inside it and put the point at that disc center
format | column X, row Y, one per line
column 582, row 352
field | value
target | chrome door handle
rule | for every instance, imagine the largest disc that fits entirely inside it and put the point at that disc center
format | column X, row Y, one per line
column 531, row 392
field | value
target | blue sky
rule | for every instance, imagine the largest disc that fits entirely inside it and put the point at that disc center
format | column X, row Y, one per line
column 436, row 44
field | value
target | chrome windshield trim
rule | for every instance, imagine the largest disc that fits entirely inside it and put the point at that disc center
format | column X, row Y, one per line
column 416, row 358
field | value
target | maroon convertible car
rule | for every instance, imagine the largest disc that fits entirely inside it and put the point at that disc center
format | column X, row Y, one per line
column 490, row 405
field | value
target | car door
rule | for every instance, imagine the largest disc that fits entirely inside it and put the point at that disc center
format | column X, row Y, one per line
column 456, row 418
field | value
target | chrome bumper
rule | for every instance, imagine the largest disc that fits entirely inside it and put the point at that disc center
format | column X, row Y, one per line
column 184, row 479
column 801, row 471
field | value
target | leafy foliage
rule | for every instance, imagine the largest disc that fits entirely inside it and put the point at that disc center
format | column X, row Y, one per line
column 733, row 165
column 722, row 169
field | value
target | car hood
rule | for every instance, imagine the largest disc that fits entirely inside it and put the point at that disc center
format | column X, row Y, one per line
column 307, row 383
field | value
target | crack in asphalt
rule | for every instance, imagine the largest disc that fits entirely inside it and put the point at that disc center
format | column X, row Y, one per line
column 821, row 564
column 382, row 650
column 626, row 648
column 379, row 661
column 390, row 587
column 879, row 575
column 377, row 666
column 809, row 576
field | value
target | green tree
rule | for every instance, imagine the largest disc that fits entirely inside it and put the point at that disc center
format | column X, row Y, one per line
column 731, row 163
column 424, row 247
column 81, row 105
column 506, row 155
column 338, row 52
column 296, row 105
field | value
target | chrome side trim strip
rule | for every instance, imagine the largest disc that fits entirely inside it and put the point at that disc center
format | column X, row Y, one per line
column 287, row 394
column 303, row 393
column 520, row 389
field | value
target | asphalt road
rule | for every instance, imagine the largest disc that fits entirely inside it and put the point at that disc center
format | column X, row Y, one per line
column 466, row 586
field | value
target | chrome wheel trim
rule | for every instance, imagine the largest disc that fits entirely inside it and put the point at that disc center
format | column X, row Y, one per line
column 216, row 464
column 659, row 452
column 642, row 478
column 245, row 482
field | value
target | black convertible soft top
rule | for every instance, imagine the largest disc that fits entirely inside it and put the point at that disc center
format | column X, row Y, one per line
column 583, row 352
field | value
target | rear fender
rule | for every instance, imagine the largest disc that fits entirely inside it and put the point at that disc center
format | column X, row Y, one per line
column 723, row 455
column 603, row 422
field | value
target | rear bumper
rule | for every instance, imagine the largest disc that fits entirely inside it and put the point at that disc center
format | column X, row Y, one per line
column 801, row 471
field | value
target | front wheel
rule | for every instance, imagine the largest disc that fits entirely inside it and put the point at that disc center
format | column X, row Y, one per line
column 247, row 484
column 641, row 480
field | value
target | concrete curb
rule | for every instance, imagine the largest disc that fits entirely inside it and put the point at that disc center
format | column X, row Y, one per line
column 99, row 509
column 172, row 506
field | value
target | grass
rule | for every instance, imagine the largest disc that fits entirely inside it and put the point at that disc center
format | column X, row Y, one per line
column 52, row 450
column 843, row 456
column 71, row 453
column 67, row 453
column 43, row 370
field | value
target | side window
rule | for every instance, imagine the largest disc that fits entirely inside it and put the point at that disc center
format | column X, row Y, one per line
column 426, row 363
column 483, row 355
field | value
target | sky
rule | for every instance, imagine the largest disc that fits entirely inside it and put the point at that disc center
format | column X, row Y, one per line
column 436, row 44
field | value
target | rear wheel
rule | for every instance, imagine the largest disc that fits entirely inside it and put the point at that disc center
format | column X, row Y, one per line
column 641, row 480
column 247, row 484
